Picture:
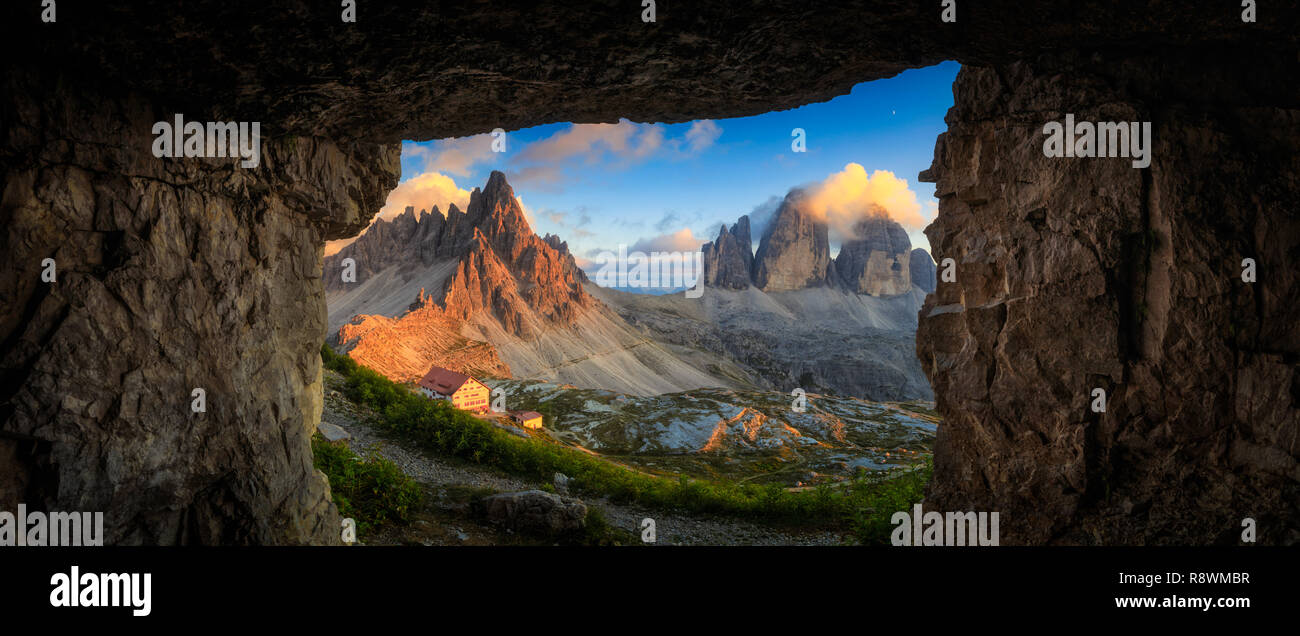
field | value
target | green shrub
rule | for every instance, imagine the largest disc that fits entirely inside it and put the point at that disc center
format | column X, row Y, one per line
column 881, row 498
column 372, row 491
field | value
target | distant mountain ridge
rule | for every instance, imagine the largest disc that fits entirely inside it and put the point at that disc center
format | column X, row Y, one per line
column 794, row 253
column 503, row 266
column 478, row 292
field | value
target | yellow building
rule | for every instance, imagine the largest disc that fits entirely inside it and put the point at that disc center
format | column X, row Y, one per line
column 461, row 390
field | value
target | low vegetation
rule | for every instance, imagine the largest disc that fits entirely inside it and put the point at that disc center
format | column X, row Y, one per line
column 864, row 505
column 372, row 491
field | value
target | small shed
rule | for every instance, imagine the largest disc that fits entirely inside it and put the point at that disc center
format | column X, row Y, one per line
column 527, row 419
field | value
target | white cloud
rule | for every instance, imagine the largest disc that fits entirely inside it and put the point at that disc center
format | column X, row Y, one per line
column 542, row 162
column 702, row 134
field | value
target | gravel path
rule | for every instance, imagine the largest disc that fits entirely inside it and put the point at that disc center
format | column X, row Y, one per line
column 671, row 527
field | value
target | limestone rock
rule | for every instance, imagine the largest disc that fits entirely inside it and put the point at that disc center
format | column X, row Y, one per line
column 876, row 260
column 405, row 239
column 173, row 275
column 332, row 432
column 499, row 270
column 795, row 250
column 729, row 260
column 535, row 511
column 1075, row 274
column 561, row 483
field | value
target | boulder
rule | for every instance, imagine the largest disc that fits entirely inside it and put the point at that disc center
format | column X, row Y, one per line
column 535, row 511
column 561, row 483
column 333, row 432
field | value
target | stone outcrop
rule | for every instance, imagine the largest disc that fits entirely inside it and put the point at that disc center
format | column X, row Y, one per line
column 498, row 267
column 794, row 253
column 404, row 348
column 921, row 270
column 501, row 266
column 405, row 239
column 562, row 247
column 181, row 273
column 535, row 511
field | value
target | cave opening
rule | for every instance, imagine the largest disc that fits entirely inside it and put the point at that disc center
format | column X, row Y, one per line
column 773, row 253
column 1055, row 291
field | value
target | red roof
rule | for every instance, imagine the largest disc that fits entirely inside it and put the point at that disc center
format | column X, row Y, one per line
column 525, row 415
column 444, row 381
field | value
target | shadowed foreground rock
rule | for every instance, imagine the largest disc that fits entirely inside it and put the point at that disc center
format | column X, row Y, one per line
column 535, row 511
column 1077, row 274
column 171, row 277
column 182, row 273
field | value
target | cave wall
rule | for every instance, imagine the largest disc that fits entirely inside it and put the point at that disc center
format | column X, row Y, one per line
column 1081, row 273
column 176, row 274
column 170, row 276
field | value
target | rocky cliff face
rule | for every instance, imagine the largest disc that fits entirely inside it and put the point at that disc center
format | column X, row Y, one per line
column 876, row 261
column 794, row 253
column 500, row 265
column 795, row 250
column 1083, row 274
column 729, row 260
column 404, row 348
column 170, row 276
column 407, row 238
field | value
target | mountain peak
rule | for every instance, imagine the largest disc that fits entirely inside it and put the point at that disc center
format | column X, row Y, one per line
column 877, row 260
column 497, row 179
column 729, row 260
column 795, row 250
column 502, row 266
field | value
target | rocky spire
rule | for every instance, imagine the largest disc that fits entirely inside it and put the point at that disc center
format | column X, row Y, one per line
column 876, row 260
column 502, row 266
column 795, row 250
column 729, row 260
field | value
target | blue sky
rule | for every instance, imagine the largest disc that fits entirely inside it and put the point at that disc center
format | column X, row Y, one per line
column 671, row 185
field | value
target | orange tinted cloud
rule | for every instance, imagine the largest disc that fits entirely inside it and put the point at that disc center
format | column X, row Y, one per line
column 624, row 139
column 455, row 156
column 851, row 194
column 682, row 240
